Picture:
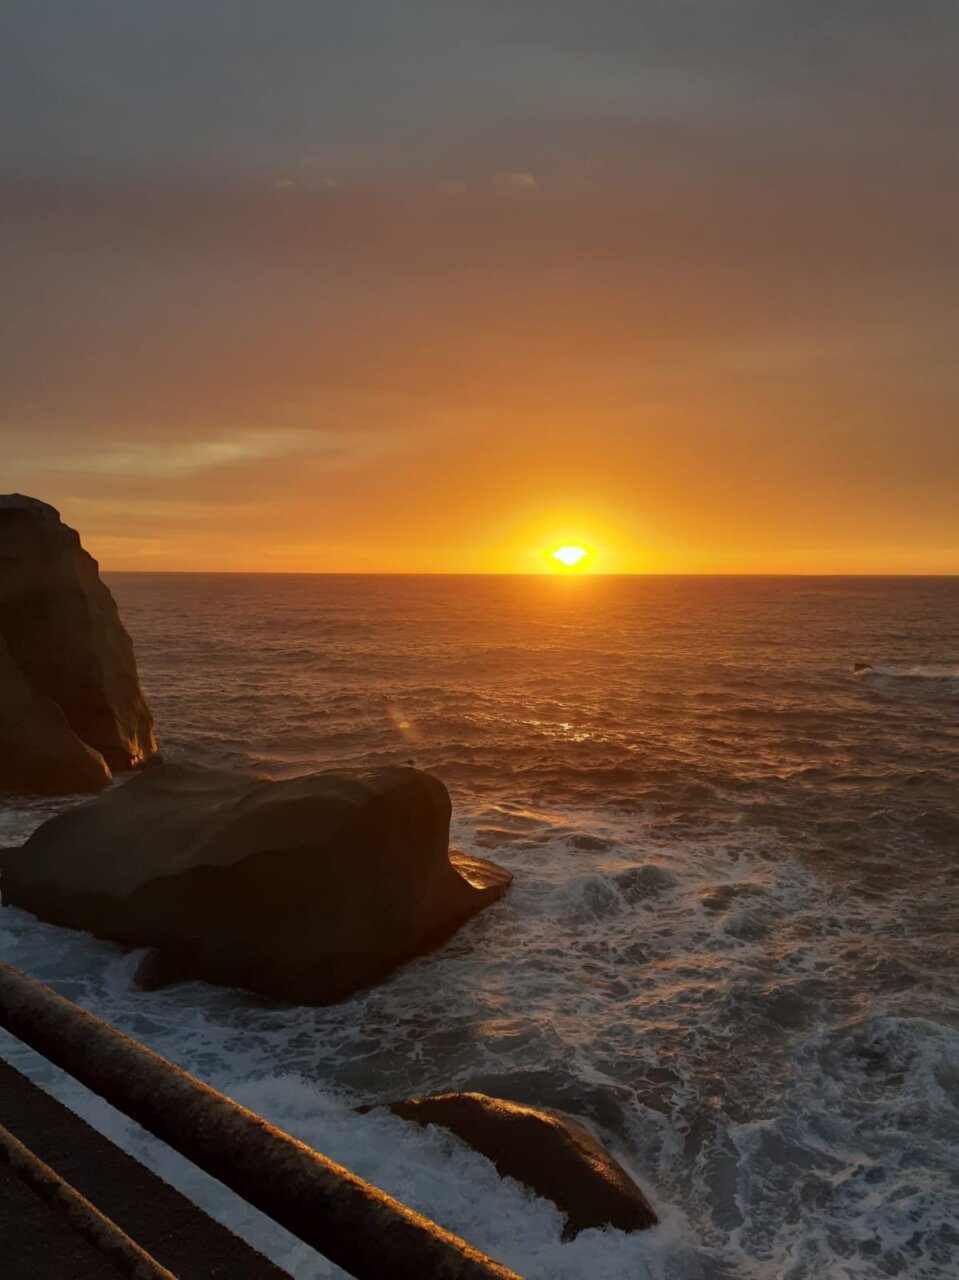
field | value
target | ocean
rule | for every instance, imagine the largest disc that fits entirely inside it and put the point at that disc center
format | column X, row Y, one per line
column 731, row 941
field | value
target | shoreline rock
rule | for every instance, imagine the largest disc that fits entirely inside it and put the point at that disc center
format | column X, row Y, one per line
column 306, row 889
column 551, row 1153
column 39, row 753
column 71, row 707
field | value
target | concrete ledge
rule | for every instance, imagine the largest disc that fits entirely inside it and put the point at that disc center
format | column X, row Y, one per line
column 36, row 1243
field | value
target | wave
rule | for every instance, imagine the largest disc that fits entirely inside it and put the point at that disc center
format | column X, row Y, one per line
column 918, row 671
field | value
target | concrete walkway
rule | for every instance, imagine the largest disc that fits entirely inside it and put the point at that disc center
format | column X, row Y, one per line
column 38, row 1243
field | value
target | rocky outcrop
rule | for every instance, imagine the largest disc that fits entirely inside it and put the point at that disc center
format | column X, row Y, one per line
column 62, row 634
column 306, row 889
column 39, row 752
column 551, row 1153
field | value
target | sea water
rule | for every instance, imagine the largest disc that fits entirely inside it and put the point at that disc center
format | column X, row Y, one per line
column 731, row 941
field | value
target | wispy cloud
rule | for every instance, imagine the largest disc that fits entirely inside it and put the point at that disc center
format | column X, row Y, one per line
column 517, row 180
column 167, row 459
column 176, row 459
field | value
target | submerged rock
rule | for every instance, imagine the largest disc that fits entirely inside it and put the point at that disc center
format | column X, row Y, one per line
column 62, row 633
column 306, row 889
column 554, row 1155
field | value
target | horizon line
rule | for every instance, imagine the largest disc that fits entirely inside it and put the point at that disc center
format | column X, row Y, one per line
column 401, row 573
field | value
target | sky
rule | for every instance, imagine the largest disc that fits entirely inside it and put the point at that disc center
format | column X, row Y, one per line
column 432, row 285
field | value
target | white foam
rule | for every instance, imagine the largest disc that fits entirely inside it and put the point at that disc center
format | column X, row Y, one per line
column 631, row 984
column 427, row 1169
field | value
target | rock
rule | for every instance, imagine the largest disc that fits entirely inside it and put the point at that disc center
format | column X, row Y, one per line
column 556, row 1089
column 39, row 752
column 306, row 889
column 159, row 969
column 552, row 1154
column 63, row 634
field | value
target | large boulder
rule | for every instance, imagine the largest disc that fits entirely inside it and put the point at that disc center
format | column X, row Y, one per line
column 62, row 632
column 39, row 752
column 551, row 1153
column 306, row 889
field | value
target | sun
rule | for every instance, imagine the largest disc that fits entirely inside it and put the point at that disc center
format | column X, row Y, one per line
column 570, row 556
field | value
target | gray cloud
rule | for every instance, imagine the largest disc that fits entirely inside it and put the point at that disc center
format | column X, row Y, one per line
column 201, row 86
column 276, row 240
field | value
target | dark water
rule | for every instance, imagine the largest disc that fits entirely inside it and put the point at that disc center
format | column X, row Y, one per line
column 732, row 938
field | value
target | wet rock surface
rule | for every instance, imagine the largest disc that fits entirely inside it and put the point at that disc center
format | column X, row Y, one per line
column 552, row 1154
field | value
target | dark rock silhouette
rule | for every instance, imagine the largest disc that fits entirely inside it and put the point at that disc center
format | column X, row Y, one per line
column 306, row 889
column 62, row 633
column 551, row 1153
column 39, row 752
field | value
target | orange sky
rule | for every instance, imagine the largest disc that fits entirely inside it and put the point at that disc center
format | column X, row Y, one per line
column 432, row 298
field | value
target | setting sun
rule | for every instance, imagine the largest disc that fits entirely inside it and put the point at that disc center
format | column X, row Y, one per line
column 570, row 557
